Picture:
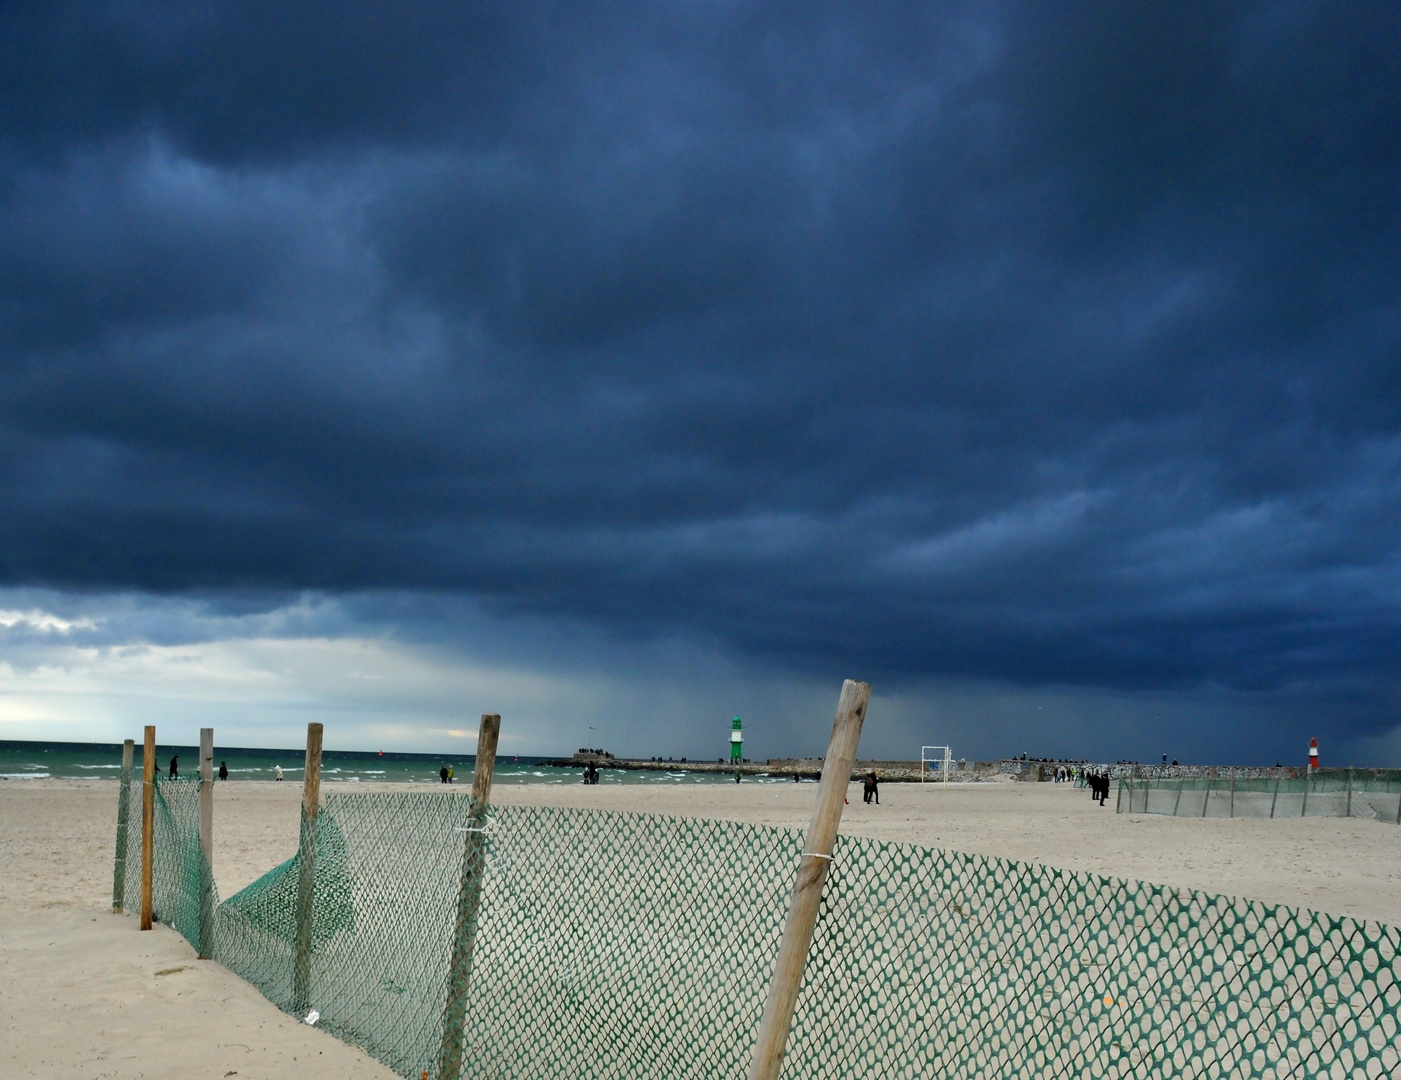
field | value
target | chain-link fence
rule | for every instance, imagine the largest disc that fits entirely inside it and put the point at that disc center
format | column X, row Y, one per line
column 1372, row 794
column 630, row 945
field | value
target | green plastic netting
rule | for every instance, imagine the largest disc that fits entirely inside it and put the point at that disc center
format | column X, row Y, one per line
column 385, row 888
column 629, row 945
column 180, row 877
column 1372, row 796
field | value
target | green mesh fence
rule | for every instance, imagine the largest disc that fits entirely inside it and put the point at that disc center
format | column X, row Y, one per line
column 179, row 873
column 386, row 880
column 1366, row 795
column 628, row 945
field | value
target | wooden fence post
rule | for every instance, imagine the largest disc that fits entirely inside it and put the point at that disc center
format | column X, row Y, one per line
column 1207, row 801
column 148, row 822
column 1275, row 798
column 123, row 814
column 1233, row 791
column 1349, row 792
column 469, row 896
column 306, row 871
column 206, row 843
column 816, row 860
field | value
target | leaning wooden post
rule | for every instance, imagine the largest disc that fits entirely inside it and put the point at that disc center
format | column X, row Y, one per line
column 1274, row 798
column 123, row 814
column 306, row 871
column 206, row 843
column 807, row 889
column 469, row 896
column 148, row 822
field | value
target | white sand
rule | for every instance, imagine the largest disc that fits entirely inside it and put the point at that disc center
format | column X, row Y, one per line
column 87, row 995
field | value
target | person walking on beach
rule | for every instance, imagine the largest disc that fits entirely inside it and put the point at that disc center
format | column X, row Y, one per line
column 869, row 790
column 174, row 772
column 278, row 770
column 443, row 774
column 223, row 770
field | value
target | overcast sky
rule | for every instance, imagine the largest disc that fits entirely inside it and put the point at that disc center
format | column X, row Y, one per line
column 628, row 366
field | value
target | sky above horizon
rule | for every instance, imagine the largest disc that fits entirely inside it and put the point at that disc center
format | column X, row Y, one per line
column 624, row 367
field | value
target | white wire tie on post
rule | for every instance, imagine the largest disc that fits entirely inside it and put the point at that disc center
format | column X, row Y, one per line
column 815, row 855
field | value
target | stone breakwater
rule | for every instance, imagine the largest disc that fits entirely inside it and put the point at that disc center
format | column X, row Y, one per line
column 898, row 772
column 802, row 768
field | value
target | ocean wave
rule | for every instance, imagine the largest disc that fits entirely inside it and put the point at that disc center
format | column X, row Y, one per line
column 25, row 776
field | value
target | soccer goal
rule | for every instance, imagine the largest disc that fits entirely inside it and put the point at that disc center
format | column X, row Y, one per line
column 936, row 759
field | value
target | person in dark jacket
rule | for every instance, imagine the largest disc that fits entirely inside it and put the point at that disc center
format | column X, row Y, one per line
column 174, row 771
column 869, row 790
column 223, row 770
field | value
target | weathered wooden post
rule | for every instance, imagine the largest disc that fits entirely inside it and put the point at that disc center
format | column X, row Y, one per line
column 148, row 822
column 1233, row 791
column 1349, row 792
column 469, row 896
column 1207, row 801
column 206, row 843
column 306, row 871
column 1274, row 798
column 123, row 814
column 1181, row 783
column 807, row 889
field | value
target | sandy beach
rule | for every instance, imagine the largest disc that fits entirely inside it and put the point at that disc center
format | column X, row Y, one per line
column 90, row 996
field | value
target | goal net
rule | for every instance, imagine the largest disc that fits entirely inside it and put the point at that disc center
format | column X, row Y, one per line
column 934, row 763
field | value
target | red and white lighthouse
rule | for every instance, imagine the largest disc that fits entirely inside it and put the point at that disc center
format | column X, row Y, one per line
column 1313, row 754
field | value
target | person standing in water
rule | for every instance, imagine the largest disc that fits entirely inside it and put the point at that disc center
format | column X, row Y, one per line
column 452, row 771
column 174, row 772
column 443, row 774
column 278, row 770
column 223, row 770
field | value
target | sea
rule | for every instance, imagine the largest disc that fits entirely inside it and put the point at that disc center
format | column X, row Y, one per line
column 21, row 761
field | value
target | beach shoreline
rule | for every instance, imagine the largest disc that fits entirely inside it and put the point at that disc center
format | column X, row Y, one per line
column 103, row 999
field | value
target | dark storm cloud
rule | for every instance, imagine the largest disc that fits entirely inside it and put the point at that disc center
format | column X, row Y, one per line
column 1042, row 344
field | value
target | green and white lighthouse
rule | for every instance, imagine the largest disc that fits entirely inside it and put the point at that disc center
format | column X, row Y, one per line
column 736, row 740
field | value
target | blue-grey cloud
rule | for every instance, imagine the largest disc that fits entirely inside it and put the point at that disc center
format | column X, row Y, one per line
column 1039, row 346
